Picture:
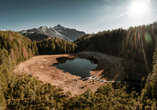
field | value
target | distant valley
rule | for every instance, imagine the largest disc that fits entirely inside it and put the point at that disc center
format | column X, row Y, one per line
column 45, row 32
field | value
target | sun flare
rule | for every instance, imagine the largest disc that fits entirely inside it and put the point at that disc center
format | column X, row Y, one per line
column 139, row 7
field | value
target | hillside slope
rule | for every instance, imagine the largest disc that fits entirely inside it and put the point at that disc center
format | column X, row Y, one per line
column 136, row 43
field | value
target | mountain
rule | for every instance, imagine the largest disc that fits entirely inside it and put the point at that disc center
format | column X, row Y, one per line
column 72, row 34
column 42, row 33
column 2, row 30
column 45, row 32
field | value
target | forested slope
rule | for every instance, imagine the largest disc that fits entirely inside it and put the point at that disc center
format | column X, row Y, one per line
column 14, row 48
column 56, row 46
column 136, row 43
column 15, row 90
column 20, row 91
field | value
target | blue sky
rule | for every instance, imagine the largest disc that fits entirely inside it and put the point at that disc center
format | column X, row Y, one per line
column 90, row 16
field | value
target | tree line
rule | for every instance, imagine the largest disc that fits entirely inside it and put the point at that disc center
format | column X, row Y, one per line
column 136, row 44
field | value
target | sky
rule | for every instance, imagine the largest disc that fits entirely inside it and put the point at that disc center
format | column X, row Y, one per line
column 90, row 16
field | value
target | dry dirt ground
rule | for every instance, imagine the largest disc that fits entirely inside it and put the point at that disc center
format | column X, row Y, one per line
column 109, row 68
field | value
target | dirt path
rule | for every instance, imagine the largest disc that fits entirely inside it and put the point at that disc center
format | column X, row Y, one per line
column 109, row 68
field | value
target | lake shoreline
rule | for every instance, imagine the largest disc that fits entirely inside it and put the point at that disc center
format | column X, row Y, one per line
column 38, row 66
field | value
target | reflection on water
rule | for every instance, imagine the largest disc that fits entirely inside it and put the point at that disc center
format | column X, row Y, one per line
column 62, row 60
column 76, row 66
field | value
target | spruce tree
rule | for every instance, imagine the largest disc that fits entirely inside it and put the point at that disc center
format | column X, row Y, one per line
column 151, row 82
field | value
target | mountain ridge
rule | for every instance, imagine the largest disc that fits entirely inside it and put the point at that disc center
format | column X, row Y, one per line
column 44, row 32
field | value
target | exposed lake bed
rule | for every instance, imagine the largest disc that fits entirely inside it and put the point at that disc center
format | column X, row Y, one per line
column 108, row 68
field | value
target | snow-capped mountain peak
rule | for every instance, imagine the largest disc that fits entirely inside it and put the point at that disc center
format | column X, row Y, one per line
column 2, row 29
column 58, row 27
column 73, row 34
column 56, row 31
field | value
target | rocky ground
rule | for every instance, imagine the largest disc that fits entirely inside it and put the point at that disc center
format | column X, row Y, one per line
column 109, row 68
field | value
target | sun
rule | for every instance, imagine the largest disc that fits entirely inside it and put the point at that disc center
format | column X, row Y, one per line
column 139, row 8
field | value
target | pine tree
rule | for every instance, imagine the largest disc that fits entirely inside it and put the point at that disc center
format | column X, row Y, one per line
column 151, row 82
column 2, row 99
column 24, row 53
column 153, row 107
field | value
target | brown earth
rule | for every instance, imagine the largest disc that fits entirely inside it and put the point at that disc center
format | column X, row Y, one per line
column 109, row 68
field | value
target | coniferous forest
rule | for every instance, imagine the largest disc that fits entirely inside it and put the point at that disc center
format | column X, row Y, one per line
column 24, row 92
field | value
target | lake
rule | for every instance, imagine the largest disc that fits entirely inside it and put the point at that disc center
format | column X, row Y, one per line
column 76, row 66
